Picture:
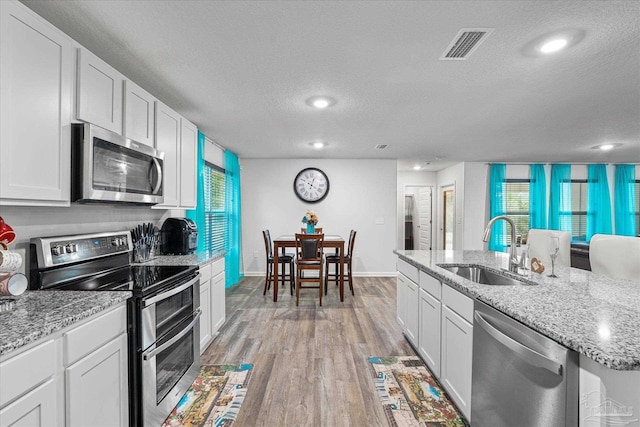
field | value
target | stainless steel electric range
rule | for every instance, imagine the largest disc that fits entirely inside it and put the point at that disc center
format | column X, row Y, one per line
column 163, row 314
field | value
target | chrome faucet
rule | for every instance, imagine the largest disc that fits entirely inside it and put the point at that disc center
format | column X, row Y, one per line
column 513, row 261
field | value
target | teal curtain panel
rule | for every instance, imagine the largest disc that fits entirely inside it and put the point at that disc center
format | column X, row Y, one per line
column 537, row 197
column 560, row 198
column 598, row 201
column 497, row 205
column 233, row 235
column 197, row 214
column 625, row 200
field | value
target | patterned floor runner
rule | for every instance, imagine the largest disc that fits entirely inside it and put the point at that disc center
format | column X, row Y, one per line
column 410, row 395
column 213, row 399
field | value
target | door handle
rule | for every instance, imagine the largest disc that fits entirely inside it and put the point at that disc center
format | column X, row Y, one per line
column 529, row 355
column 159, row 171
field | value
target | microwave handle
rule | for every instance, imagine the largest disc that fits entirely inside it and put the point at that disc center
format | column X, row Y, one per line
column 159, row 170
column 151, row 353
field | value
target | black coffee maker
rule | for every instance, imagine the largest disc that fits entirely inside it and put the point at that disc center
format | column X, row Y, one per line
column 179, row 236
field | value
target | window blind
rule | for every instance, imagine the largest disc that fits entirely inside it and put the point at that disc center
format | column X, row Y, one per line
column 517, row 207
column 578, row 209
column 214, row 201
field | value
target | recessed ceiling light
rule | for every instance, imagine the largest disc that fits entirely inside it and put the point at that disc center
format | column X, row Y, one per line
column 553, row 45
column 318, row 145
column 606, row 146
column 321, row 102
column 417, row 167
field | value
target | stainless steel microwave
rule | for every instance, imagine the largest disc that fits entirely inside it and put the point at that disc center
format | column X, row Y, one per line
column 107, row 167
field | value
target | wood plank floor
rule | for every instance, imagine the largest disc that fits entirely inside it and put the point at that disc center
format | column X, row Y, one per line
column 310, row 363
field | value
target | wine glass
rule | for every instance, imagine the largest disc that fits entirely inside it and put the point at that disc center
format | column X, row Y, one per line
column 554, row 247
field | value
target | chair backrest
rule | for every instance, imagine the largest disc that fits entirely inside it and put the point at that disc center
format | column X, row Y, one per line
column 309, row 246
column 352, row 241
column 538, row 242
column 267, row 243
column 318, row 230
column 615, row 256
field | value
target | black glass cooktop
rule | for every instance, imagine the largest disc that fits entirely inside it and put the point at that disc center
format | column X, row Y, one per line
column 141, row 279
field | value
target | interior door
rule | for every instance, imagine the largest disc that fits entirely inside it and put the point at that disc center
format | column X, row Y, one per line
column 424, row 215
column 448, row 217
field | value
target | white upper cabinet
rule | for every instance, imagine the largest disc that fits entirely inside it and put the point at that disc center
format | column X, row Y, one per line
column 139, row 113
column 36, row 82
column 188, row 164
column 168, row 141
column 99, row 92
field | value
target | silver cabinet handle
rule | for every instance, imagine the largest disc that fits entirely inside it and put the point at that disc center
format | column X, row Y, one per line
column 530, row 356
column 151, row 353
column 172, row 292
column 159, row 170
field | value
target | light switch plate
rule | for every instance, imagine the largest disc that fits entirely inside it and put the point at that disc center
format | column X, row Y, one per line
column 380, row 221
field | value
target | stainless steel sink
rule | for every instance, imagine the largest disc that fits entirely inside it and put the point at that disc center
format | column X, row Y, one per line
column 482, row 275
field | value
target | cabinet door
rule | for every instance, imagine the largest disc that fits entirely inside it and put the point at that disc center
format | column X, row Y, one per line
column 429, row 335
column 35, row 409
column 205, row 317
column 457, row 350
column 99, row 92
column 401, row 293
column 36, row 65
column 168, row 141
column 139, row 112
column 218, row 305
column 412, row 309
column 188, row 164
column 97, row 387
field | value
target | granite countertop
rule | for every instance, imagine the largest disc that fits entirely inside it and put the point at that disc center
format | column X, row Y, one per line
column 197, row 258
column 40, row 313
column 594, row 315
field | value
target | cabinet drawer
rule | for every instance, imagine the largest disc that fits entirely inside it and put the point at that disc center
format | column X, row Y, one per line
column 218, row 266
column 408, row 270
column 205, row 273
column 431, row 285
column 456, row 301
column 26, row 370
column 94, row 334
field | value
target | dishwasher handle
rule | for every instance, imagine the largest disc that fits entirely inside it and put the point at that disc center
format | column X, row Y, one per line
column 530, row 356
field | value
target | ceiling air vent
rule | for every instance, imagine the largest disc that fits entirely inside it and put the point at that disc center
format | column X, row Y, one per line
column 465, row 42
column 381, row 146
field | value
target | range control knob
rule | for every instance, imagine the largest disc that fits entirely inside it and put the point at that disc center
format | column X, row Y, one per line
column 56, row 250
column 71, row 248
column 114, row 242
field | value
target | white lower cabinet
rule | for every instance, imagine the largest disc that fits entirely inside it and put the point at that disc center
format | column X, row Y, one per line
column 407, row 308
column 97, row 388
column 457, row 351
column 429, row 335
column 38, row 408
column 212, row 301
column 76, row 377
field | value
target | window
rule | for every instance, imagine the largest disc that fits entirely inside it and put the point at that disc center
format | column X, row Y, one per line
column 579, row 209
column 637, row 193
column 214, row 207
column 517, row 207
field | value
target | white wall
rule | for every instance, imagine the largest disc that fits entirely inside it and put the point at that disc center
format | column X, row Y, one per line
column 413, row 178
column 28, row 222
column 476, row 206
column 361, row 193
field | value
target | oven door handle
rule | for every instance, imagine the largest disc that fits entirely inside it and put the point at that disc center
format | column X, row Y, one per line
column 152, row 353
column 172, row 292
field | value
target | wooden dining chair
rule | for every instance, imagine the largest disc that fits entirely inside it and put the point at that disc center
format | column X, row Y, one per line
column 284, row 259
column 309, row 258
column 303, row 230
column 334, row 259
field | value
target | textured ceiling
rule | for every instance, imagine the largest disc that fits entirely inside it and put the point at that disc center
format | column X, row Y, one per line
column 243, row 70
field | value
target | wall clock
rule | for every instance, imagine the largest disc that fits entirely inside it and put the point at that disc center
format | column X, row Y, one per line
column 311, row 185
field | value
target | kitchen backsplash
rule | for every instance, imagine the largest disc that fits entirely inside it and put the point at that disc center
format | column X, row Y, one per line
column 28, row 222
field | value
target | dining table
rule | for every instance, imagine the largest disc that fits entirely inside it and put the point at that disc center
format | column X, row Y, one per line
column 289, row 241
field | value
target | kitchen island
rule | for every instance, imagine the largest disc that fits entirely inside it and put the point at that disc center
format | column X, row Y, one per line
column 596, row 316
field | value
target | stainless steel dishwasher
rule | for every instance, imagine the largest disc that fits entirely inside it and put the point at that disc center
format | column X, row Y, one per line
column 520, row 377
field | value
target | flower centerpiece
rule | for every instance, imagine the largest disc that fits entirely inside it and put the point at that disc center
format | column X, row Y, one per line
column 311, row 219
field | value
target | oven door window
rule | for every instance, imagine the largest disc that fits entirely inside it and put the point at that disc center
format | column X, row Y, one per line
column 172, row 363
column 122, row 170
column 173, row 310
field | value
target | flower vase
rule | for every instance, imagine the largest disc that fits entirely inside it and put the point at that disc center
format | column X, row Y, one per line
column 311, row 228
